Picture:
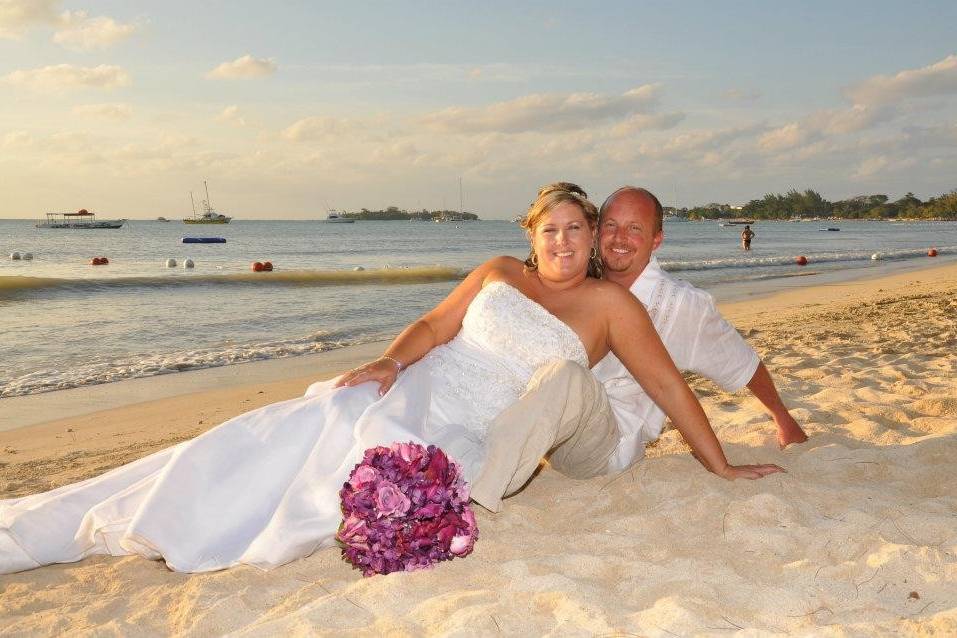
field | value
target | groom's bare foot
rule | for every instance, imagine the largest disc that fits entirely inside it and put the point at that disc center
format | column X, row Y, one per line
column 789, row 431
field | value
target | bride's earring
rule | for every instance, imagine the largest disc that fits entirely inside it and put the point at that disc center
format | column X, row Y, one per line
column 534, row 259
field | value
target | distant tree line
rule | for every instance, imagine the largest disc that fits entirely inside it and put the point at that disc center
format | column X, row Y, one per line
column 809, row 203
column 393, row 213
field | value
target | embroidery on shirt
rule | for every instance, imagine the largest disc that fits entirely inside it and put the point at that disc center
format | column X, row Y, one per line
column 664, row 305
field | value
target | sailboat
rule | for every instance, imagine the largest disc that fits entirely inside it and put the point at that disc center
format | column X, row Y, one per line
column 209, row 215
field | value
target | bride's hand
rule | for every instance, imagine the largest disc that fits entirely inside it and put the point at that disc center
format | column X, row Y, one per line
column 752, row 472
column 384, row 370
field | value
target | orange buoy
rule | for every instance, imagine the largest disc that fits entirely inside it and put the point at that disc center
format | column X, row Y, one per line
column 99, row 261
column 801, row 260
column 257, row 266
column 932, row 252
column 267, row 266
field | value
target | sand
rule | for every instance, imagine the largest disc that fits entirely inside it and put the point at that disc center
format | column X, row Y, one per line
column 859, row 538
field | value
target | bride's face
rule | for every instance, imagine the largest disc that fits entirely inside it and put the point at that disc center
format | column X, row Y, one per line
column 563, row 242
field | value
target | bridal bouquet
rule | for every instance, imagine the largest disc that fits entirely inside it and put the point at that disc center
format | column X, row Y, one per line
column 405, row 507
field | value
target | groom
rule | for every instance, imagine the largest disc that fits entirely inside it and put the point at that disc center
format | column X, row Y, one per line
column 602, row 425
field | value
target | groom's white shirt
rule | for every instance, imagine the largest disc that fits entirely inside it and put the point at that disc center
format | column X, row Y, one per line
column 698, row 339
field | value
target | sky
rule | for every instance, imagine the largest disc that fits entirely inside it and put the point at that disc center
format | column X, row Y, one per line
column 291, row 108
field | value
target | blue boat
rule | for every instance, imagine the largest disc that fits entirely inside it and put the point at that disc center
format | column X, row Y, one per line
column 204, row 240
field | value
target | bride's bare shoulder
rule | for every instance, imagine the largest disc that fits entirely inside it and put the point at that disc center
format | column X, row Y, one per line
column 503, row 268
column 611, row 297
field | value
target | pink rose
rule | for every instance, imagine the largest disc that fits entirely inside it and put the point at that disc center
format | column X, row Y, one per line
column 390, row 501
column 362, row 476
column 462, row 544
column 353, row 530
column 407, row 451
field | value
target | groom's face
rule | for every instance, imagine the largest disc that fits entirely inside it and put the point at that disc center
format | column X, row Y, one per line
column 627, row 234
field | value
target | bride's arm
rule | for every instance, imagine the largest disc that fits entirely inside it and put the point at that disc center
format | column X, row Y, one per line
column 434, row 328
column 634, row 340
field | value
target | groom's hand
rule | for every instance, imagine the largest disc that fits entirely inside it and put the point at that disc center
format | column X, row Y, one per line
column 752, row 472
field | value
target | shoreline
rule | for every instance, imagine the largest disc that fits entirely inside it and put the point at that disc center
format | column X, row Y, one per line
column 58, row 405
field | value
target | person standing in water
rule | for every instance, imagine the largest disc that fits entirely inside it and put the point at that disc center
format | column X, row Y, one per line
column 746, row 235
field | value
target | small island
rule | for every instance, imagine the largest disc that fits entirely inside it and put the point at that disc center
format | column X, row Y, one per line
column 394, row 213
column 809, row 204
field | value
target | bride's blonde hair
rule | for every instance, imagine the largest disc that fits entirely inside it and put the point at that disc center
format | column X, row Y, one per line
column 550, row 197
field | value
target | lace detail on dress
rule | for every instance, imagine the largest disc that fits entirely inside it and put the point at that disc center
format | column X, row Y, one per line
column 505, row 337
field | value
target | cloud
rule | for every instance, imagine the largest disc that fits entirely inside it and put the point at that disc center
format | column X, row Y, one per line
column 691, row 143
column 231, row 115
column 116, row 111
column 826, row 122
column 16, row 140
column 81, row 33
column 648, row 122
column 18, row 15
column 544, row 112
column 741, row 96
column 244, row 67
column 320, row 127
column 936, row 79
column 881, row 164
column 67, row 76
column 941, row 135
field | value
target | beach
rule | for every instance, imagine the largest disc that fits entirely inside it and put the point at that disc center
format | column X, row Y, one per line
column 858, row 538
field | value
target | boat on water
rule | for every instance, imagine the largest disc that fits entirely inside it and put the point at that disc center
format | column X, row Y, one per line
column 161, row 219
column 80, row 220
column 737, row 222
column 335, row 217
column 209, row 216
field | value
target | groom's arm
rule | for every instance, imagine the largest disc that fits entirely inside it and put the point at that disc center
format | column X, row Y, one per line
column 721, row 354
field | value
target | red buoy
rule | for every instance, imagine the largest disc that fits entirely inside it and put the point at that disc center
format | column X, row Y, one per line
column 932, row 252
column 99, row 261
column 267, row 266
column 801, row 260
column 257, row 266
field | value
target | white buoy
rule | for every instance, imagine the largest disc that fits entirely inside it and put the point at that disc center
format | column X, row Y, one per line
column 28, row 256
column 188, row 263
column 15, row 256
column 358, row 268
column 171, row 263
column 875, row 256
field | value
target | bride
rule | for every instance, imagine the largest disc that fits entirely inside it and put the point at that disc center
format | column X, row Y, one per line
column 262, row 488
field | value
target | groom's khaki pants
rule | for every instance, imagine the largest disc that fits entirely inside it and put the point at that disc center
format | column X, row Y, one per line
column 565, row 411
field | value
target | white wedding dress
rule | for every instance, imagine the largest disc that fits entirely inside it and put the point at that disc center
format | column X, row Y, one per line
column 262, row 489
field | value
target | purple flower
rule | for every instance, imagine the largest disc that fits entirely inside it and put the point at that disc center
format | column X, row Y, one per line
column 405, row 508
column 363, row 475
column 389, row 500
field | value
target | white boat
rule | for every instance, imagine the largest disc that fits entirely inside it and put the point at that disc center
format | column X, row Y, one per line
column 80, row 220
column 161, row 219
column 209, row 215
column 335, row 217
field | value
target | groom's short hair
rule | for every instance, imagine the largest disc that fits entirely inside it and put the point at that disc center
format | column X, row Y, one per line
column 659, row 211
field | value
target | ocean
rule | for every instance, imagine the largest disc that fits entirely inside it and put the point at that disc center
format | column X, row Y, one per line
column 65, row 323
